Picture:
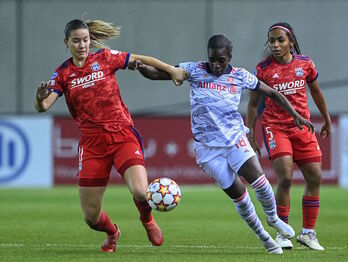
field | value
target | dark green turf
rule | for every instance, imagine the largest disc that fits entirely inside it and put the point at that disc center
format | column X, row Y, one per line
column 47, row 225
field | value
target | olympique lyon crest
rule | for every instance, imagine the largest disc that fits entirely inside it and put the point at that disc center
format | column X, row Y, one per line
column 95, row 66
column 272, row 144
column 299, row 71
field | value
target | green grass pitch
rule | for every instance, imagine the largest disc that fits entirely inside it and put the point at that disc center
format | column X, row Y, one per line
column 47, row 225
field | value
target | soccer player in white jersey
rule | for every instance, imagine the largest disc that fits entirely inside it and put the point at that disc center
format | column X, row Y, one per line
column 222, row 150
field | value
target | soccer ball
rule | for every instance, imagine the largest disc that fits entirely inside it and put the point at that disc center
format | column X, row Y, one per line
column 163, row 194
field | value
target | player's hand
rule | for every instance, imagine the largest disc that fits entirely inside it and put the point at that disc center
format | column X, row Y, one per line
column 43, row 91
column 325, row 129
column 134, row 65
column 178, row 76
column 255, row 146
column 300, row 121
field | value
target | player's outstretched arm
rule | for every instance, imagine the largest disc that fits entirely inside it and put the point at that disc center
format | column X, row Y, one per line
column 176, row 74
column 148, row 71
column 319, row 100
column 151, row 72
column 283, row 102
column 251, row 117
column 44, row 97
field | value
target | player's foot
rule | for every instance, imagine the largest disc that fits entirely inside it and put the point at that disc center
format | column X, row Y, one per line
column 111, row 241
column 283, row 242
column 310, row 240
column 271, row 246
column 283, row 228
column 153, row 232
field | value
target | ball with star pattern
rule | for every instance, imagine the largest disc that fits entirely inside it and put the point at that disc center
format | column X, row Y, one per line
column 163, row 194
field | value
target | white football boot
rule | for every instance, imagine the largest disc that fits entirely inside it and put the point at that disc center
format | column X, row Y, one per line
column 283, row 228
column 271, row 246
column 309, row 240
column 283, row 242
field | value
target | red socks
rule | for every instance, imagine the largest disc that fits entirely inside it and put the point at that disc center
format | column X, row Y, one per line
column 283, row 213
column 144, row 209
column 104, row 224
column 310, row 211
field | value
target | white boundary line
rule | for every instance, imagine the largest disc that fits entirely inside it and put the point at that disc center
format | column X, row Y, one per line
column 11, row 245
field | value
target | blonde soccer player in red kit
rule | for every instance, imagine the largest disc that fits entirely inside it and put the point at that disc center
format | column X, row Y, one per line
column 288, row 71
column 109, row 137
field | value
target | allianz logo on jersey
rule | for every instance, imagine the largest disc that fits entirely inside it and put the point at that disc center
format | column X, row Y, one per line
column 288, row 88
column 88, row 80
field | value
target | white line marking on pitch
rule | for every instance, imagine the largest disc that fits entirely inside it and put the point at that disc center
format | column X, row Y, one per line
column 9, row 245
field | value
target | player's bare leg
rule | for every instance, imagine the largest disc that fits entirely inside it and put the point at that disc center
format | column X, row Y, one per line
column 136, row 179
column 310, row 205
column 283, row 167
column 91, row 199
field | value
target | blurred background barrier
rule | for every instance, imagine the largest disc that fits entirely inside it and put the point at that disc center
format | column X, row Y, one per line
column 42, row 151
column 25, row 151
column 168, row 146
column 343, row 150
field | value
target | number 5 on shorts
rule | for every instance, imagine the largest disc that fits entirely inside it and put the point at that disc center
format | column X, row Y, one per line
column 269, row 133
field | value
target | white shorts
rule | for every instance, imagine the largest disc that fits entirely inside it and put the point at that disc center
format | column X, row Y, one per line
column 223, row 163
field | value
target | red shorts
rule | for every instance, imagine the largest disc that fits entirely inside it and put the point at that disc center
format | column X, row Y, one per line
column 98, row 152
column 301, row 145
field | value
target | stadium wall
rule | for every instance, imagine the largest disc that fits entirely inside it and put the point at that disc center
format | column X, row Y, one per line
column 175, row 31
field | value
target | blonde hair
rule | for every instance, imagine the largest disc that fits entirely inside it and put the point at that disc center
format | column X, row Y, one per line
column 99, row 31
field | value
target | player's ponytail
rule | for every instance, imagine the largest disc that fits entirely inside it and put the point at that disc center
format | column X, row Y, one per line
column 99, row 31
column 290, row 32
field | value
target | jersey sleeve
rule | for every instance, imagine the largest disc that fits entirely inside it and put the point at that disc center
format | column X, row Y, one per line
column 56, row 82
column 188, row 67
column 258, row 72
column 249, row 80
column 117, row 59
column 312, row 72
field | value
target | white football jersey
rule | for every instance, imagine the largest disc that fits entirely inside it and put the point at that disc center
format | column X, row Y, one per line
column 214, row 100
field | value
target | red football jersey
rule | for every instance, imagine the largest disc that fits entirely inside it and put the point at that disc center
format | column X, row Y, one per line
column 290, row 80
column 92, row 92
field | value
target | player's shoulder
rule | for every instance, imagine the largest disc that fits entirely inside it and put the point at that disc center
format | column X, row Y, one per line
column 62, row 69
column 194, row 66
column 303, row 58
column 265, row 63
column 201, row 64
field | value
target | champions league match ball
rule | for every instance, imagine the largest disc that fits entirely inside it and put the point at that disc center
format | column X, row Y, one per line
column 163, row 194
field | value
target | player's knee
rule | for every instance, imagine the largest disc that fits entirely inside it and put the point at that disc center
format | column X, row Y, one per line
column 91, row 215
column 285, row 182
column 91, row 219
column 314, row 178
column 139, row 193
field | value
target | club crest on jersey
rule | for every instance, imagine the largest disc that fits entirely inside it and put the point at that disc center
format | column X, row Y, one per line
column 95, row 66
column 299, row 71
column 272, row 144
column 232, row 89
column 54, row 75
column 230, row 79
